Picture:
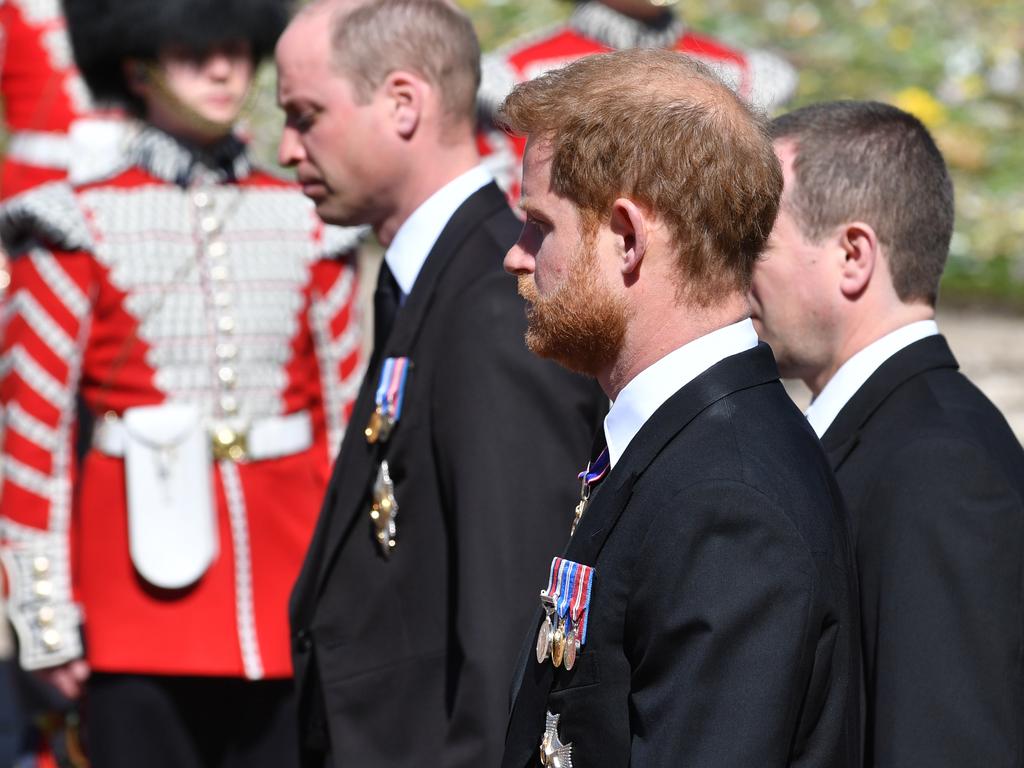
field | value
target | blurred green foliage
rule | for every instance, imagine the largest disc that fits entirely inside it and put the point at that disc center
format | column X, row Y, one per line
column 957, row 65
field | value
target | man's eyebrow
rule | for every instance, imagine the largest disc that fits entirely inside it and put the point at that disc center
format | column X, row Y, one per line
column 526, row 206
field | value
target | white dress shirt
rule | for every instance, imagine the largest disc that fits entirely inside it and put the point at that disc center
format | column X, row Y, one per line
column 649, row 390
column 854, row 372
column 416, row 237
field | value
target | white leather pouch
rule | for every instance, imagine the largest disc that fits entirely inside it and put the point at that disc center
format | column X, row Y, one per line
column 172, row 525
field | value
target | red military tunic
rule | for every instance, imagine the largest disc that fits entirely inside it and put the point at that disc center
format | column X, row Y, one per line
column 174, row 280
column 759, row 76
column 43, row 93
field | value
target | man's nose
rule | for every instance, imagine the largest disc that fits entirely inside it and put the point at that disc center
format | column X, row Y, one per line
column 289, row 149
column 519, row 261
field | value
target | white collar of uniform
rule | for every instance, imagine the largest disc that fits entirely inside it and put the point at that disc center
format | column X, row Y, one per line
column 854, row 372
column 650, row 388
column 416, row 237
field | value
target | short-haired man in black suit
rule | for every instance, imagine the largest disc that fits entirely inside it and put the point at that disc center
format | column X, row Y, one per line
column 702, row 611
column 406, row 614
column 931, row 473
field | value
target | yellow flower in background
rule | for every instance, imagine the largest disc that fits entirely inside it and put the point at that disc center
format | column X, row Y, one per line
column 901, row 38
column 922, row 105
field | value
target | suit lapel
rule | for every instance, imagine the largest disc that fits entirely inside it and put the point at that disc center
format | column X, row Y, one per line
column 843, row 435
column 735, row 373
column 357, row 462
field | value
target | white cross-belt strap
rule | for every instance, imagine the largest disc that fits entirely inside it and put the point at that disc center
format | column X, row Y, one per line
column 40, row 148
column 267, row 438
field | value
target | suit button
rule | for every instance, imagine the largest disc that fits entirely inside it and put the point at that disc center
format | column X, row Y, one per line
column 303, row 641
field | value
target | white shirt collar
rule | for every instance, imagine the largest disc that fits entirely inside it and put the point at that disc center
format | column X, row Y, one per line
column 858, row 369
column 646, row 393
column 416, row 237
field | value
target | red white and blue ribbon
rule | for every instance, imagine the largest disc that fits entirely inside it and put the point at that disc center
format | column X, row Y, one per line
column 596, row 470
column 569, row 586
column 391, row 387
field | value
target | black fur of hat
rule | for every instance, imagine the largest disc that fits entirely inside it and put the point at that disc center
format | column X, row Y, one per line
column 106, row 32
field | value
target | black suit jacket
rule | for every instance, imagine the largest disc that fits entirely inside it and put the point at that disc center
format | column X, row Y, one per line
column 721, row 631
column 407, row 660
column 934, row 481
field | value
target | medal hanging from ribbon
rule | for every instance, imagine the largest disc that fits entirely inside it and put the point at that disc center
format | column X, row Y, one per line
column 566, row 603
column 589, row 477
column 388, row 398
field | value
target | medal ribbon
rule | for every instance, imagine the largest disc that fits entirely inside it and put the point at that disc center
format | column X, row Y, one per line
column 569, row 586
column 596, row 470
column 391, row 387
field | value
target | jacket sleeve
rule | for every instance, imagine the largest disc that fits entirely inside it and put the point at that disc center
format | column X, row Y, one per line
column 511, row 431
column 46, row 324
column 939, row 557
column 336, row 325
column 725, row 624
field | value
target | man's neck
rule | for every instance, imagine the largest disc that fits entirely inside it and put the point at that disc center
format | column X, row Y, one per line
column 656, row 332
column 432, row 169
column 862, row 331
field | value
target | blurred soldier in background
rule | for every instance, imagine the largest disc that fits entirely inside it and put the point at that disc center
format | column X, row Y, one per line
column 51, row 129
column 48, row 113
column 196, row 305
column 930, row 471
column 599, row 26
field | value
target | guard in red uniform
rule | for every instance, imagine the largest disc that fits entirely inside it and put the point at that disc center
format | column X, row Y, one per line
column 198, row 307
column 47, row 107
column 600, row 26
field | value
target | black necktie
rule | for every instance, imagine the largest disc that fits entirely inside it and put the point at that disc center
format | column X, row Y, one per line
column 386, row 301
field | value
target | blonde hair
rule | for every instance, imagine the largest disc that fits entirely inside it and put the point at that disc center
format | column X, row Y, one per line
column 433, row 38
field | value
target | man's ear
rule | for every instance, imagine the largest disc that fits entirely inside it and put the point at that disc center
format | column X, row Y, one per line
column 860, row 251
column 406, row 95
column 630, row 224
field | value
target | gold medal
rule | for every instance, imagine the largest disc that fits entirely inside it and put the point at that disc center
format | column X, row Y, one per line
column 544, row 640
column 570, row 650
column 558, row 645
column 373, row 426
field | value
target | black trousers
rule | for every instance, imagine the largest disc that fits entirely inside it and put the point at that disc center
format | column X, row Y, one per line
column 131, row 721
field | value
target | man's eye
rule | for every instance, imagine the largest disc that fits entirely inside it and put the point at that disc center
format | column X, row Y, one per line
column 537, row 224
column 303, row 122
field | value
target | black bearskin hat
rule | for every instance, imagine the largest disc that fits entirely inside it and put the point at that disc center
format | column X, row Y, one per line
column 106, row 32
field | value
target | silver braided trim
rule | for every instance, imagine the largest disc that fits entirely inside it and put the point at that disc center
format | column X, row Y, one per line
column 330, row 376
column 621, row 32
column 50, row 212
column 245, row 611
column 60, row 282
column 39, row 604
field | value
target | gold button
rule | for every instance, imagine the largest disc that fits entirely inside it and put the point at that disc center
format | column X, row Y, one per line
column 44, row 588
column 51, row 639
column 225, row 436
column 40, row 564
column 46, row 615
column 217, row 249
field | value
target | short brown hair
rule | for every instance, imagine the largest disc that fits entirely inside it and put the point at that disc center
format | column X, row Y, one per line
column 429, row 37
column 661, row 129
column 871, row 162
